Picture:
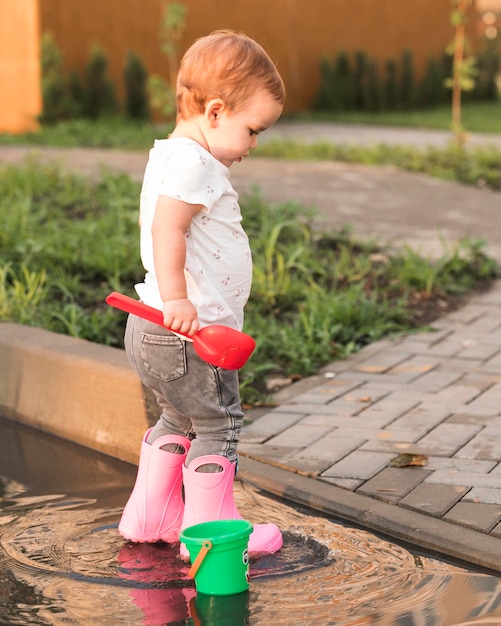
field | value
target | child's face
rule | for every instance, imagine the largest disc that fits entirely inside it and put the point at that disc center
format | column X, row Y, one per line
column 234, row 134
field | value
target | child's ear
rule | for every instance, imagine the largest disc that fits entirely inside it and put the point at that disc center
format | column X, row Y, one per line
column 213, row 110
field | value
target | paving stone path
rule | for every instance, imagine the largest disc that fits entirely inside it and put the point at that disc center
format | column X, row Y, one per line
column 436, row 394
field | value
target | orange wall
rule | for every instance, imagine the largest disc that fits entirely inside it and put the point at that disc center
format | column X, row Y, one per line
column 20, row 101
column 296, row 33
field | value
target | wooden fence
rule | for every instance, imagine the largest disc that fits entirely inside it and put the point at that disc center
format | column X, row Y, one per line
column 298, row 34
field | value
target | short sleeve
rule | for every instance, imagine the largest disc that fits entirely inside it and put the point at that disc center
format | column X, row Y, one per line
column 187, row 173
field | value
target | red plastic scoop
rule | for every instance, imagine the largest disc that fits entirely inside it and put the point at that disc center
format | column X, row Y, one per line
column 221, row 346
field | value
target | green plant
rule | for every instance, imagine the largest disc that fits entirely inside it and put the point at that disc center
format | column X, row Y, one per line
column 136, row 91
column 77, row 95
column 21, row 293
column 57, row 100
column 282, row 253
column 163, row 92
column 100, row 95
column 463, row 65
column 373, row 93
column 391, row 91
column 162, row 97
column 478, row 117
column 360, row 65
column 326, row 99
column 171, row 30
column 479, row 166
column 431, row 92
column 336, row 91
column 75, row 234
column 408, row 82
column 343, row 81
column 359, row 84
column 487, row 70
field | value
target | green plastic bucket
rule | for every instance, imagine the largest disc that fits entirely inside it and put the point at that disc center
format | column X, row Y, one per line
column 219, row 556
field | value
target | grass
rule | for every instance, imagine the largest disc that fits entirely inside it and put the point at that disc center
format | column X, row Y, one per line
column 110, row 133
column 479, row 166
column 477, row 117
column 67, row 241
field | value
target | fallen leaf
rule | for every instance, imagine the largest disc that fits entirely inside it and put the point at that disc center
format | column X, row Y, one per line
column 361, row 399
column 409, row 460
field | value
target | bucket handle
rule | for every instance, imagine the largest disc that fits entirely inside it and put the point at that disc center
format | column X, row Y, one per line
column 206, row 546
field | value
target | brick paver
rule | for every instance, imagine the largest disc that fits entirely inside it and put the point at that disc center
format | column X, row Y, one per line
column 483, row 517
column 434, row 500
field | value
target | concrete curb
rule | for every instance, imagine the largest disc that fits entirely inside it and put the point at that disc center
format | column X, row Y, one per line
column 72, row 388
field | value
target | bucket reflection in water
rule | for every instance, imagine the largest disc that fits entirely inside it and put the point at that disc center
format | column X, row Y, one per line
column 220, row 610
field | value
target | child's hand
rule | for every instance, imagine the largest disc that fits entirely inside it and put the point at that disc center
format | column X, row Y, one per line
column 181, row 315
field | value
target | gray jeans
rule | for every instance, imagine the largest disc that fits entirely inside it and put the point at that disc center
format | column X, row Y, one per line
column 198, row 400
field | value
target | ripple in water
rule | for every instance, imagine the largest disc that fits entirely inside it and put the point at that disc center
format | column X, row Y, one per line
column 63, row 562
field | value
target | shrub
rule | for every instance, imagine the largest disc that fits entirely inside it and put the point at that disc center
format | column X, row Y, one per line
column 407, row 86
column 358, row 83
column 327, row 96
column 57, row 102
column 337, row 84
column 432, row 91
column 487, row 66
column 77, row 94
column 373, row 95
column 136, row 88
column 391, row 91
column 100, row 95
column 359, row 79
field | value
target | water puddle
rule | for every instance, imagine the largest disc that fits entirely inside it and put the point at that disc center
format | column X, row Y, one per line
column 62, row 560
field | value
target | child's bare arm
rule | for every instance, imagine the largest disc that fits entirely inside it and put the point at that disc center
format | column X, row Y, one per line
column 170, row 223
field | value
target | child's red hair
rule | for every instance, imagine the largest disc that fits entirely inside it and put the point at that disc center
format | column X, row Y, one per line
column 226, row 65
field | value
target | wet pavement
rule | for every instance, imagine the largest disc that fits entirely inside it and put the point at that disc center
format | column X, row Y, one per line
column 331, row 440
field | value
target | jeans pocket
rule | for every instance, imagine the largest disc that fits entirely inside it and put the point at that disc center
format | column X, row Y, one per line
column 164, row 357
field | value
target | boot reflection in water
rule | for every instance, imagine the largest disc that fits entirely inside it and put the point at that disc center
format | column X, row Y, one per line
column 146, row 565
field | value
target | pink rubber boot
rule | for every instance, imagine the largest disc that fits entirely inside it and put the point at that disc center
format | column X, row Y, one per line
column 209, row 497
column 155, row 508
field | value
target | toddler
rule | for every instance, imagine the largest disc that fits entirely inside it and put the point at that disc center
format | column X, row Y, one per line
column 198, row 272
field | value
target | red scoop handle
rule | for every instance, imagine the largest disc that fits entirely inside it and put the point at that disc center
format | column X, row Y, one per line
column 129, row 305
column 218, row 345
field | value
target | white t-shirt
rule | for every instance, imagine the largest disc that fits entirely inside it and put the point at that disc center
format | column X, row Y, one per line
column 218, row 266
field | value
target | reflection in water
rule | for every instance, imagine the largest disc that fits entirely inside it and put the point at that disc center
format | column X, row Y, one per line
column 62, row 560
